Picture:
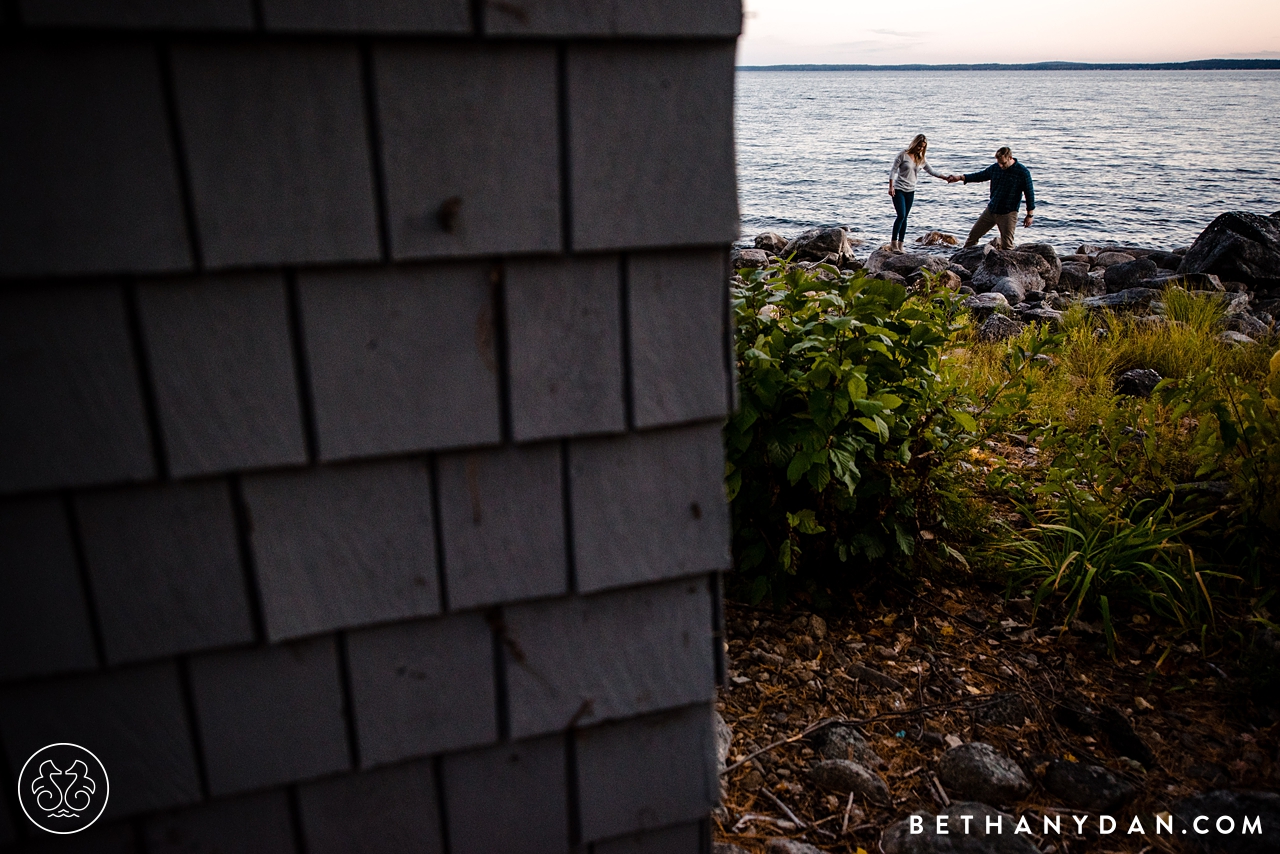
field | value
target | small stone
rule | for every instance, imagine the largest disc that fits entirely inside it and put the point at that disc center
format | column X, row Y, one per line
column 842, row 776
column 817, row 627
column 977, row 771
column 1138, row 382
column 1111, row 257
column 1086, row 787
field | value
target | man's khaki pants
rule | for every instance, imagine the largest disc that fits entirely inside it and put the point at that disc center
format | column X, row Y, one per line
column 1005, row 222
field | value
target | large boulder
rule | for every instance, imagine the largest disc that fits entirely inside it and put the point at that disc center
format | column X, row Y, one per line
column 984, row 305
column 754, row 258
column 977, row 771
column 1120, row 277
column 771, row 241
column 1002, row 838
column 1246, row 324
column 1012, row 274
column 1239, row 247
column 906, row 263
column 817, row 243
column 1165, row 260
column 1050, row 256
column 1076, row 279
column 971, row 258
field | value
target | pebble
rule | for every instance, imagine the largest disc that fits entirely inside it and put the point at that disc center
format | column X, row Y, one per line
column 977, row 771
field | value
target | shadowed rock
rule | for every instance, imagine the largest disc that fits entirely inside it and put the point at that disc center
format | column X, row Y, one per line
column 842, row 776
column 1240, row 247
column 977, row 771
column 1086, row 787
column 1138, row 382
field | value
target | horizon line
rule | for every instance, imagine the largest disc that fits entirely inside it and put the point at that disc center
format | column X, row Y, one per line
column 1051, row 65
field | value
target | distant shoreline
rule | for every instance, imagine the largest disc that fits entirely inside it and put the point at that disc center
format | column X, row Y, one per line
column 1194, row 65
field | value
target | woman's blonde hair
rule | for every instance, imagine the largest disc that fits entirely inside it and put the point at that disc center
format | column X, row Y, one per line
column 917, row 147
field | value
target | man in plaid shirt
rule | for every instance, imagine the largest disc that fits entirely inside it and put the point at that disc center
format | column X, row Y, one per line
column 1010, row 180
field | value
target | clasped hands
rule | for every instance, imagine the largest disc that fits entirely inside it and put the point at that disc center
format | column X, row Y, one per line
column 951, row 179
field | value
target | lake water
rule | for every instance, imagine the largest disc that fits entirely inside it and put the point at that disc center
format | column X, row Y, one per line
column 1143, row 157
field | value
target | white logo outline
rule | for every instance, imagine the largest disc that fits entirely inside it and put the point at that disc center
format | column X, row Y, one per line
column 60, row 809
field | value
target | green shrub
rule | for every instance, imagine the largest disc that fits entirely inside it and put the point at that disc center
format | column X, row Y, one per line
column 844, row 425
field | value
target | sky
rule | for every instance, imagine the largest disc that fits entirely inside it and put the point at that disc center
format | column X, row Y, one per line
column 947, row 31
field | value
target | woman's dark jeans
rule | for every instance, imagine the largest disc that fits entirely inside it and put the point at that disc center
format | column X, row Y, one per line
column 902, row 204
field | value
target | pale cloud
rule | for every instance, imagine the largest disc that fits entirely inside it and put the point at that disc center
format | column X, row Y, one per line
column 945, row 31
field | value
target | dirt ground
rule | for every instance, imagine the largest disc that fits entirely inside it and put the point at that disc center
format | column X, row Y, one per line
column 956, row 664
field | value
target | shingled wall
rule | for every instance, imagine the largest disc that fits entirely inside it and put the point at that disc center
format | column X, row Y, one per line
column 362, row 368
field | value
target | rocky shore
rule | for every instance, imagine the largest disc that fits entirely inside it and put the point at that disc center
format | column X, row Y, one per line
column 1236, row 260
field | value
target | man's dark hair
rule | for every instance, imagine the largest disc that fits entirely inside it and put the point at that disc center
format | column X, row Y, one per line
column 1004, row 151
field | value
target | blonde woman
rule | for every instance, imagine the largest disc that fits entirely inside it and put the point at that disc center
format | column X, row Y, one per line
column 902, row 185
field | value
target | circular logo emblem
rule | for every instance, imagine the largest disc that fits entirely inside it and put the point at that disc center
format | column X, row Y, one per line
column 63, row 788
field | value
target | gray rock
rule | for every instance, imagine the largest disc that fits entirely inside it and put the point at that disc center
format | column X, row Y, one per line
column 1240, row 247
column 842, row 776
column 998, row 327
column 1246, row 324
column 771, row 241
column 1076, row 278
column 1263, row 806
column 891, row 277
column 1191, row 281
column 898, row 838
column 845, row 742
column 1043, row 315
column 977, row 771
column 727, row 848
column 971, row 258
column 779, row 845
column 1012, row 274
column 905, row 263
column 983, row 306
column 1121, row 277
column 1086, row 787
column 1232, row 303
column 1076, row 258
column 1165, row 260
column 724, row 739
column 1107, row 257
column 816, row 244
column 1234, row 339
column 1138, row 382
column 1050, row 256
column 1133, row 299
column 965, row 290
column 754, row 258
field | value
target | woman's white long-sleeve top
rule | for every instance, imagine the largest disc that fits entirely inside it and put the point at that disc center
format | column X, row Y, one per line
column 905, row 169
